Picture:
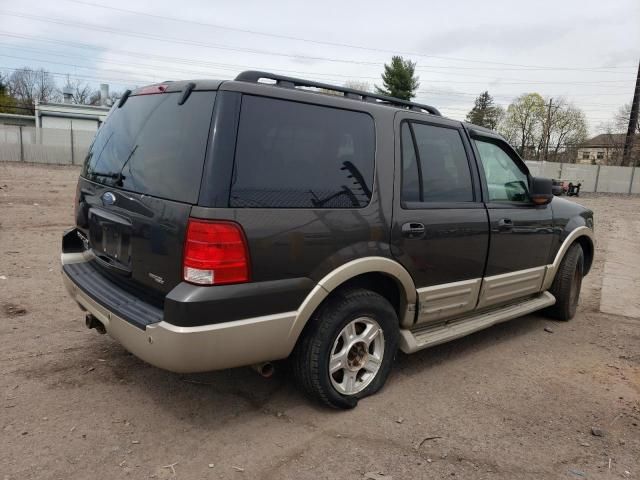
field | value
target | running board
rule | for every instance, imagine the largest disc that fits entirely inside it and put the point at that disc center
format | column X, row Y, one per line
column 429, row 336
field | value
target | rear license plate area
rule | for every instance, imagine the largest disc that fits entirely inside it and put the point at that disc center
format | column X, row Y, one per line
column 110, row 237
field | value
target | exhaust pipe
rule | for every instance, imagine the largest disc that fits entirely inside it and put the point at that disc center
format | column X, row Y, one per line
column 265, row 369
column 92, row 322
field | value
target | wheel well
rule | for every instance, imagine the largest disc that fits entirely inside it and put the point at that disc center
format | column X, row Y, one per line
column 587, row 249
column 379, row 283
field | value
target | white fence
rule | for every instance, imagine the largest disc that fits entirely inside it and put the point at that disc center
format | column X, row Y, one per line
column 44, row 145
column 66, row 147
column 594, row 178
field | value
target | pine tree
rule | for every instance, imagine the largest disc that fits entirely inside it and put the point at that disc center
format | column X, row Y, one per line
column 485, row 112
column 399, row 79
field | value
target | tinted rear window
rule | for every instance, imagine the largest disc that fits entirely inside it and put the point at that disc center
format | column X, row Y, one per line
column 154, row 146
column 294, row 155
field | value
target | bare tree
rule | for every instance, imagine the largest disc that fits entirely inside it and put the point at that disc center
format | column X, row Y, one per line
column 114, row 97
column 563, row 124
column 621, row 119
column 358, row 85
column 28, row 86
column 544, row 128
column 569, row 128
column 82, row 93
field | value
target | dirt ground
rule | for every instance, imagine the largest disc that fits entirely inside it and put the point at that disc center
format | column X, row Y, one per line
column 513, row 401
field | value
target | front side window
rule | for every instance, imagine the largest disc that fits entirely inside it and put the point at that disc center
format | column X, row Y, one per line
column 295, row 155
column 585, row 155
column 506, row 182
column 434, row 165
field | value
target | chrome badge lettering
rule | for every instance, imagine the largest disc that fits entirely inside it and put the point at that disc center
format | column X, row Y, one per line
column 156, row 278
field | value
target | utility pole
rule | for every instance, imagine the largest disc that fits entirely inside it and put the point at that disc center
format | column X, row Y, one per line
column 633, row 123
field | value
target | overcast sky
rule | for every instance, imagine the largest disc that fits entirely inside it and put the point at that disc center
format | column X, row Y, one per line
column 586, row 51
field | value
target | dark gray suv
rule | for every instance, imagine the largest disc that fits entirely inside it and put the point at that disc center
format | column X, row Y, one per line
column 230, row 223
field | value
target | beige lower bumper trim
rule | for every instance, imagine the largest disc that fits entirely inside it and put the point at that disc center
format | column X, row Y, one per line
column 196, row 349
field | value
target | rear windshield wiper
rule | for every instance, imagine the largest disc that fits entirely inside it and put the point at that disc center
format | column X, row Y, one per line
column 117, row 176
column 104, row 174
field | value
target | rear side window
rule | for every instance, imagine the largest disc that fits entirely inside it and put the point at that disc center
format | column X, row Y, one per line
column 294, row 155
column 434, row 165
column 154, row 146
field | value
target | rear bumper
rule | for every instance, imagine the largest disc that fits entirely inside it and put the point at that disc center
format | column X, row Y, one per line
column 193, row 349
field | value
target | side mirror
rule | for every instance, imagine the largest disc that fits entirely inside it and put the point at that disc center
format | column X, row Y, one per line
column 541, row 190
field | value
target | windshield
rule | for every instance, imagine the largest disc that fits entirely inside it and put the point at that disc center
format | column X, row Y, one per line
column 154, row 146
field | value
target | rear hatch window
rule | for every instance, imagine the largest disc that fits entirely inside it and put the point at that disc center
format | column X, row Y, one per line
column 152, row 145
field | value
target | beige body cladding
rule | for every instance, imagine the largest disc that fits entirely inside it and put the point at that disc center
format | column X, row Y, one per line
column 272, row 337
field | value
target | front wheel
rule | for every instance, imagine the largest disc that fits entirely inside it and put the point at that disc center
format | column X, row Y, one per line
column 566, row 284
column 347, row 350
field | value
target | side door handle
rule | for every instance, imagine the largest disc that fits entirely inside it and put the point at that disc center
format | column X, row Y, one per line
column 413, row 230
column 505, row 224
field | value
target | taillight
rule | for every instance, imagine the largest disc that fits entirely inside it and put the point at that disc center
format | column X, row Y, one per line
column 215, row 253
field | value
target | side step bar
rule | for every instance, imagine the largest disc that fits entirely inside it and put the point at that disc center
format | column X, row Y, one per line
column 431, row 335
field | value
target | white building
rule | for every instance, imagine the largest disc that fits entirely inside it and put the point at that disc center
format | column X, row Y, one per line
column 605, row 149
column 69, row 116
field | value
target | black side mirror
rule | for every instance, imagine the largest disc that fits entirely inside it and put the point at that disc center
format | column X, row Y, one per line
column 541, row 190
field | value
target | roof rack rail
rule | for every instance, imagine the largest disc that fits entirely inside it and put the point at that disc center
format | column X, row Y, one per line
column 254, row 76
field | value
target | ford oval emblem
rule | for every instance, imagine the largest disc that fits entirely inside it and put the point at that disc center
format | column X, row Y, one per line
column 108, row 198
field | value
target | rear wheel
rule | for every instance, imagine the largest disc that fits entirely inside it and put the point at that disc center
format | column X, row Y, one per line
column 567, row 284
column 347, row 350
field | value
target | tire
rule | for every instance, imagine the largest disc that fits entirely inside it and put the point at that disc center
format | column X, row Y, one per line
column 566, row 285
column 329, row 334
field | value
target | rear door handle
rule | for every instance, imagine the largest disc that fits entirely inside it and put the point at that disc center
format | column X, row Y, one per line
column 413, row 230
column 505, row 224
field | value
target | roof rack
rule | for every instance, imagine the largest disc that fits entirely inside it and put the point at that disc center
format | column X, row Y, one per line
column 254, row 76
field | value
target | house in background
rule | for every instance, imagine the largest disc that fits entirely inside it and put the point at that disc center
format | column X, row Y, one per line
column 73, row 117
column 69, row 116
column 605, row 149
column 59, row 133
column 65, row 116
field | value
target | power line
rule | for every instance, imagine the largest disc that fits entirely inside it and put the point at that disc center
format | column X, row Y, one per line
column 324, row 42
column 188, row 61
column 184, row 60
column 235, row 68
column 166, row 39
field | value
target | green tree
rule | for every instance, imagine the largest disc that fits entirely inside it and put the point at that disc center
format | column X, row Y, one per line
column 399, row 79
column 485, row 112
column 7, row 102
column 523, row 123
